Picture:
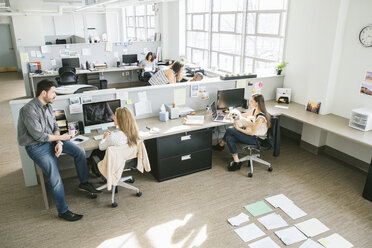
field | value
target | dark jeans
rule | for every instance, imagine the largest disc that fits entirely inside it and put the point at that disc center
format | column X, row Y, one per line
column 43, row 155
column 233, row 136
column 148, row 74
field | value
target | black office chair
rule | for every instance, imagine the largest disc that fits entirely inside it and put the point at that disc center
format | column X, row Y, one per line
column 272, row 141
column 142, row 78
column 67, row 76
column 86, row 88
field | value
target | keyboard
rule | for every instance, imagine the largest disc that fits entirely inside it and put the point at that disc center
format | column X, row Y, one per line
column 98, row 137
column 220, row 118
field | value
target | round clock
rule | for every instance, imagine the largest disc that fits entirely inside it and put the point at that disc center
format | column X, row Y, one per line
column 365, row 36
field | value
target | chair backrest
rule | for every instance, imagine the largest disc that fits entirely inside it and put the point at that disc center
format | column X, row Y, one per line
column 88, row 88
column 273, row 137
column 67, row 78
column 66, row 69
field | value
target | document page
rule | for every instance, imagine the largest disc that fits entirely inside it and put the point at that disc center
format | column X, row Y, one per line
column 272, row 221
column 312, row 227
column 239, row 219
column 290, row 235
column 264, row 243
column 249, row 232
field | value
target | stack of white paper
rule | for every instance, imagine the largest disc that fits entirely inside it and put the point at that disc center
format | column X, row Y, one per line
column 278, row 200
column 290, row 235
column 239, row 219
column 292, row 210
column 309, row 243
column 249, row 232
column 335, row 241
column 312, row 227
column 272, row 221
column 264, row 243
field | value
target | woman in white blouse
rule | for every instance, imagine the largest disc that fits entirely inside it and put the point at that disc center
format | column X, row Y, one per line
column 127, row 134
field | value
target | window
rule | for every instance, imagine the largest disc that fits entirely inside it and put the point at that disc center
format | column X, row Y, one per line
column 236, row 36
column 140, row 22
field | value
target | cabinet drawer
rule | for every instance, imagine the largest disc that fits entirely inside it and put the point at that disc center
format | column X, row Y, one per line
column 184, row 164
column 184, row 143
column 93, row 76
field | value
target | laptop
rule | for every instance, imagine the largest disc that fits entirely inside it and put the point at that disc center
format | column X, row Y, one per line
column 218, row 117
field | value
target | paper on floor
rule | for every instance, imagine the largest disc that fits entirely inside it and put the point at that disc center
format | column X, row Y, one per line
column 290, row 235
column 277, row 200
column 335, row 241
column 309, row 243
column 239, row 219
column 292, row 210
column 272, row 221
column 249, row 232
column 264, row 243
column 312, row 227
column 258, row 208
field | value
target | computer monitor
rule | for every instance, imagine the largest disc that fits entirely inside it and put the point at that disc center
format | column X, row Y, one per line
column 99, row 114
column 130, row 58
column 230, row 98
column 73, row 62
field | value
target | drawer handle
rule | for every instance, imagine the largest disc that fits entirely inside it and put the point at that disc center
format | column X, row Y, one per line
column 186, row 157
column 186, row 137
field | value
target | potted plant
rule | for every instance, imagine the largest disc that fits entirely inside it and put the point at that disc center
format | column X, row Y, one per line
column 280, row 67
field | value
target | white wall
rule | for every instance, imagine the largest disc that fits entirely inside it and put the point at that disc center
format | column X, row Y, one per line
column 28, row 30
column 354, row 62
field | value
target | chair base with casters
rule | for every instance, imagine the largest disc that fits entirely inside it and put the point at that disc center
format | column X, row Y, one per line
column 253, row 157
column 129, row 165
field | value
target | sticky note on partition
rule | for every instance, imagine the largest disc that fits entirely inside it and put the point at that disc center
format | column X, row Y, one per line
column 129, row 101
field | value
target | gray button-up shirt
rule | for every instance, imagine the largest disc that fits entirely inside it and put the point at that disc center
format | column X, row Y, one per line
column 35, row 122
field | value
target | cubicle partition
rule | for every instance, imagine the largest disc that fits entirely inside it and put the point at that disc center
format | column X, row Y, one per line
column 50, row 56
column 157, row 95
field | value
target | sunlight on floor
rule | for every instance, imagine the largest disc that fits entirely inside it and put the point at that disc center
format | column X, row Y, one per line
column 173, row 234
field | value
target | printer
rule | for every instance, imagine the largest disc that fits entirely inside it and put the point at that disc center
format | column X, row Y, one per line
column 283, row 95
column 176, row 112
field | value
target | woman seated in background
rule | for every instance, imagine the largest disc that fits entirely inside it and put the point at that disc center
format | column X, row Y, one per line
column 127, row 134
column 148, row 66
column 246, row 136
column 169, row 76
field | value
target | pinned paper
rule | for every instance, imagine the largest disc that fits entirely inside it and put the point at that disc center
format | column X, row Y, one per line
column 240, row 83
column 129, row 101
column 33, row 54
column 142, row 96
column 86, row 130
column 116, row 55
column 122, row 95
column 143, row 107
column 24, row 57
column 38, row 54
column 179, row 96
column 85, row 51
column 108, row 47
column 44, row 49
column 53, row 62
column 76, row 108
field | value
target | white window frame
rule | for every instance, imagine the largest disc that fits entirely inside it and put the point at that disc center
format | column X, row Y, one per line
column 147, row 15
column 243, row 34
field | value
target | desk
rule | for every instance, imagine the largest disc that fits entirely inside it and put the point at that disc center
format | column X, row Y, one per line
column 54, row 74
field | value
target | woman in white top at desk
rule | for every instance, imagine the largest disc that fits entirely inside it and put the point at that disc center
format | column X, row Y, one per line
column 127, row 134
column 236, row 134
column 170, row 76
column 148, row 66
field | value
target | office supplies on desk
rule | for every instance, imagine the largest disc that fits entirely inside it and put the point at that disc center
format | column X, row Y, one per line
column 272, row 221
column 174, row 112
column 183, row 111
column 239, row 219
column 218, row 118
column 249, row 232
column 335, row 241
column 258, row 208
column 309, row 243
column 264, row 243
column 312, row 227
column 283, row 95
column 361, row 119
column 290, row 235
column 79, row 139
column 163, row 116
column 194, row 120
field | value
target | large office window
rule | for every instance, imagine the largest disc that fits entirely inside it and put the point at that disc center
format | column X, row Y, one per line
column 235, row 35
column 140, row 22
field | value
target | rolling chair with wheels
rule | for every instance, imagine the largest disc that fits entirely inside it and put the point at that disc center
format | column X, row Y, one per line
column 115, row 162
column 142, row 78
column 272, row 141
column 67, row 76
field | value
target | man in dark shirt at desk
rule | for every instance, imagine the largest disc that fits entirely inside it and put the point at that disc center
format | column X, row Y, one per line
column 39, row 133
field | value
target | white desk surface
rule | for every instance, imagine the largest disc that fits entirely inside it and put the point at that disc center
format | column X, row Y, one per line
column 330, row 122
column 108, row 69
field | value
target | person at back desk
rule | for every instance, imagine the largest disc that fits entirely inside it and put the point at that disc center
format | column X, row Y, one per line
column 148, row 66
column 170, row 76
column 38, row 131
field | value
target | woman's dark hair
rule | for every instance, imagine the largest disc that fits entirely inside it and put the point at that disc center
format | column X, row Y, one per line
column 261, row 104
column 176, row 67
column 45, row 84
column 150, row 54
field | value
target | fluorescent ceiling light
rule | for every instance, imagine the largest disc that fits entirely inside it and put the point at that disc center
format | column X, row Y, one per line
column 95, row 5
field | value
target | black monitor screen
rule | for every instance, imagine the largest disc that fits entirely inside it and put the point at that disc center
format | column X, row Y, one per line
column 99, row 112
column 230, row 98
column 73, row 62
column 130, row 58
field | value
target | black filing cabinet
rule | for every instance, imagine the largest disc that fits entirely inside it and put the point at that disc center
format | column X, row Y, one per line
column 367, row 193
column 180, row 154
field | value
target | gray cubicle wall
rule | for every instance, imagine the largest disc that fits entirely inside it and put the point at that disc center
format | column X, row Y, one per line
column 157, row 95
column 97, row 53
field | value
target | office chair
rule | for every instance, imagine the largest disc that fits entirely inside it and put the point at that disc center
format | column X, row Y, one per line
column 142, row 78
column 272, row 141
column 86, row 88
column 67, row 76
